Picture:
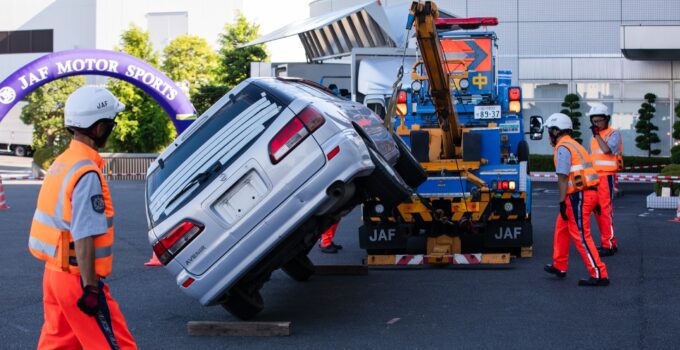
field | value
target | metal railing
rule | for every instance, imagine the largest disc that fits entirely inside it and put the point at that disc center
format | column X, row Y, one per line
column 127, row 166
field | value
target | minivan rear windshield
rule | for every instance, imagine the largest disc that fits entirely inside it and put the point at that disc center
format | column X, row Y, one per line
column 222, row 138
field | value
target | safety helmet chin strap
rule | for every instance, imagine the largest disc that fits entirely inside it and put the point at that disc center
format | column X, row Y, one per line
column 554, row 138
column 607, row 118
column 90, row 132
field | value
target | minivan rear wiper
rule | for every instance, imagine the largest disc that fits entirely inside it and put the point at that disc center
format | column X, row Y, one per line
column 198, row 179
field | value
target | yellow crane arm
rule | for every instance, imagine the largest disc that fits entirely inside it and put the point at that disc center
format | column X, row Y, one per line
column 434, row 60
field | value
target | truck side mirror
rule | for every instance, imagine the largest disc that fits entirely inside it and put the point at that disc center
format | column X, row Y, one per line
column 536, row 127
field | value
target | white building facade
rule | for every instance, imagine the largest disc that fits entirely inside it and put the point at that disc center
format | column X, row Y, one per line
column 31, row 28
column 552, row 47
column 558, row 47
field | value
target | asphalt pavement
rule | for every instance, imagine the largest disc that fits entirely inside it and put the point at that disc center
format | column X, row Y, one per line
column 517, row 307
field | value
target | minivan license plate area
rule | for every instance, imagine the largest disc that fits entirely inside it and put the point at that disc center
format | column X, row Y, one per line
column 241, row 198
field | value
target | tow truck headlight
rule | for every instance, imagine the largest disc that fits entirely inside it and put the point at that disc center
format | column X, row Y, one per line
column 464, row 84
column 379, row 209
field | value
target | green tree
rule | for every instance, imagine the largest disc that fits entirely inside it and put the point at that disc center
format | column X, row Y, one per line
column 675, row 150
column 234, row 61
column 206, row 96
column 571, row 108
column 189, row 58
column 143, row 126
column 45, row 110
column 645, row 128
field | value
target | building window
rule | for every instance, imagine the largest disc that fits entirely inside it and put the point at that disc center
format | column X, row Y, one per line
column 542, row 98
column 623, row 99
column 165, row 26
column 590, row 90
column 27, row 41
column 624, row 111
column 543, row 109
column 545, row 90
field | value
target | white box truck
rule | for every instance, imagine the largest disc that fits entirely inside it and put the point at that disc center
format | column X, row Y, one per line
column 15, row 136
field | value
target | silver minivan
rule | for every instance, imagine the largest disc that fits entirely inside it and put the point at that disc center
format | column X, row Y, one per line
column 252, row 183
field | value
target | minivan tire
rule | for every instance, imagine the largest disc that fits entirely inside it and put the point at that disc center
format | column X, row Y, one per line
column 300, row 268
column 408, row 166
column 385, row 183
column 242, row 304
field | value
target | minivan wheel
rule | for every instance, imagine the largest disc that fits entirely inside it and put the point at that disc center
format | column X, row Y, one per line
column 300, row 268
column 385, row 182
column 242, row 304
column 407, row 166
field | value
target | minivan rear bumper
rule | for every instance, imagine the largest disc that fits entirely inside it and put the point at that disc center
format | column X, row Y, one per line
column 209, row 287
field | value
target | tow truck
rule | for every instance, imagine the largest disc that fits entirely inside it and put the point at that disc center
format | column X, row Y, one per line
column 462, row 120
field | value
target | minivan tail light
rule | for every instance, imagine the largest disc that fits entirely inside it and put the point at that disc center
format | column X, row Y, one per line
column 293, row 133
column 178, row 238
column 311, row 118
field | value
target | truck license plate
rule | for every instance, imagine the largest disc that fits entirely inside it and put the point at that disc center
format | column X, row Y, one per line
column 488, row 112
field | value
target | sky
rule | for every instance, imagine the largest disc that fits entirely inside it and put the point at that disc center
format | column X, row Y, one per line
column 274, row 14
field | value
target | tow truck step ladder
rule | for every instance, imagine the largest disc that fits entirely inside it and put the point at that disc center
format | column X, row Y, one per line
column 526, row 252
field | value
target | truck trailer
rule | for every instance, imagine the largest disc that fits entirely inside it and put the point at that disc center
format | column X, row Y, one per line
column 15, row 136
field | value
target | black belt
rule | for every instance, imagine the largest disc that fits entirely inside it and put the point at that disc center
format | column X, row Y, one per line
column 72, row 259
column 590, row 188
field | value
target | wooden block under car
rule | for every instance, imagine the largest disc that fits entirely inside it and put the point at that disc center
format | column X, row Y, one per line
column 238, row 329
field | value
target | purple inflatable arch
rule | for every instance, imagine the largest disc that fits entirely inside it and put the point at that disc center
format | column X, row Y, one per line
column 114, row 64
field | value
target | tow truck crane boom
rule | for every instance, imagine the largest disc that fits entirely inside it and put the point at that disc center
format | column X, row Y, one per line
column 422, row 17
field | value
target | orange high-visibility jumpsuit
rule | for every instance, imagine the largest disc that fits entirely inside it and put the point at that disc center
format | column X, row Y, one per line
column 606, row 166
column 327, row 237
column 51, row 240
column 581, row 200
column 67, row 327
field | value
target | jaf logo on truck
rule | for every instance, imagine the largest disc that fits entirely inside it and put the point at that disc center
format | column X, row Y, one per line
column 382, row 234
column 508, row 233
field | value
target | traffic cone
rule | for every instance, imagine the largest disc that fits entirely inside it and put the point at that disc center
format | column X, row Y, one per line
column 3, row 204
column 153, row 261
column 677, row 212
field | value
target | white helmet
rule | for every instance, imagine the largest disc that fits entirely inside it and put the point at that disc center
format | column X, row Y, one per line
column 560, row 121
column 598, row 109
column 89, row 104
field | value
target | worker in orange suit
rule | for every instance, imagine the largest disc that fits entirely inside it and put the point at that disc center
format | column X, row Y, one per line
column 327, row 246
column 605, row 149
column 72, row 231
column 577, row 182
